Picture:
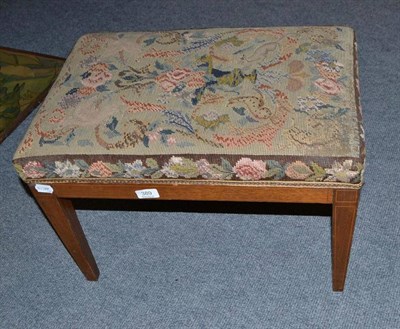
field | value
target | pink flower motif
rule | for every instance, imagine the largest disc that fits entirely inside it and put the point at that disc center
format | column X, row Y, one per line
column 58, row 116
column 33, row 170
column 166, row 84
column 171, row 140
column 86, row 91
column 168, row 81
column 178, row 74
column 91, row 44
column 328, row 86
column 97, row 75
column 154, row 135
column 247, row 169
column 99, row 169
column 196, row 80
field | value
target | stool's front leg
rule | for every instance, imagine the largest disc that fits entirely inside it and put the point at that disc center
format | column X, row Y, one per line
column 62, row 216
column 344, row 212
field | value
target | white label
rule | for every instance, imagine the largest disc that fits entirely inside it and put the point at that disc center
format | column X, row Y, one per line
column 44, row 188
column 151, row 193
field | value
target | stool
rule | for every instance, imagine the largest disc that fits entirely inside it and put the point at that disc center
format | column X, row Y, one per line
column 225, row 114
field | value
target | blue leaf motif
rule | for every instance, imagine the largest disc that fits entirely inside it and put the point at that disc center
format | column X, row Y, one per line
column 67, row 78
column 146, row 141
column 113, row 124
column 166, row 132
column 276, row 170
column 150, row 41
column 250, row 119
column 102, row 88
column 338, row 46
column 239, row 110
column 82, row 164
column 159, row 66
column 72, row 91
column 179, row 119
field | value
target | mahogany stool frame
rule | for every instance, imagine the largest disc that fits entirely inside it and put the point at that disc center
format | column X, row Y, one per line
column 59, row 209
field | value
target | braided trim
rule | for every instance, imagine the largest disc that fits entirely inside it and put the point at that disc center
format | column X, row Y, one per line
column 293, row 184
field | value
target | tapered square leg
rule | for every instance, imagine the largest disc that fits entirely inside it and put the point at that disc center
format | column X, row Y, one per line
column 344, row 212
column 62, row 216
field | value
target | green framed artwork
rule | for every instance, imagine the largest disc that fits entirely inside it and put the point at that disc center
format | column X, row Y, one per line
column 25, row 78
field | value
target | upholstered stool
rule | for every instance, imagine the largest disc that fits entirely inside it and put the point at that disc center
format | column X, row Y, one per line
column 250, row 114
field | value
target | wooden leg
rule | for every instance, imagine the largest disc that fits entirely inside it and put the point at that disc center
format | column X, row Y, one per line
column 344, row 212
column 62, row 216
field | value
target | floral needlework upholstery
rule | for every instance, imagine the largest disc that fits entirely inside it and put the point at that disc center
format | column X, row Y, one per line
column 273, row 106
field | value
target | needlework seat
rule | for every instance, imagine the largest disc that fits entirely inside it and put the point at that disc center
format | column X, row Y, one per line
column 229, row 114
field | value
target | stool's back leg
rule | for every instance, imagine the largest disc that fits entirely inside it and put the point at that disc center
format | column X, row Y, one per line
column 344, row 212
column 62, row 216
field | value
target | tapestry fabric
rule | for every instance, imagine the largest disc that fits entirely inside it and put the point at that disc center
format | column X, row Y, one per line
column 251, row 105
column 25, row 78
